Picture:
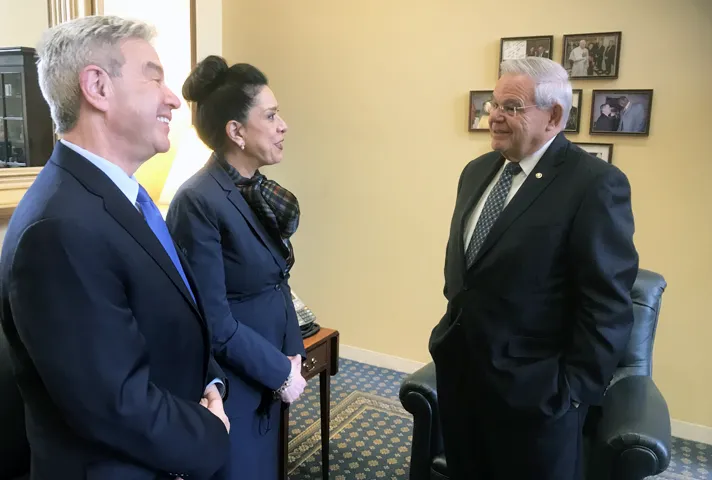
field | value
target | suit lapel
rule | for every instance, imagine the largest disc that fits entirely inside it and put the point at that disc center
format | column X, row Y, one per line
column 120, row 208
column 236, row 198
column 532, row 187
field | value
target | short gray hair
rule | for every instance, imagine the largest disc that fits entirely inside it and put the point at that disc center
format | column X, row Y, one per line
column 69, row 47
column 551, row 80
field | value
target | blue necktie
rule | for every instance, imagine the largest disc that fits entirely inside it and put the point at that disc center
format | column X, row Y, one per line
column 158, row 225
column 493, row 207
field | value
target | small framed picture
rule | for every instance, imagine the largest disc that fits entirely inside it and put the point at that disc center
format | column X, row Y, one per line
column 512, row 48
column 572, row 124
column 480, row 106
column 592, row 55
column 604, row 151
column 621, row 112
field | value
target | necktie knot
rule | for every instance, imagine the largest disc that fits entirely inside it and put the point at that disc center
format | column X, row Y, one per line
column 143, row 196
column 512, row 169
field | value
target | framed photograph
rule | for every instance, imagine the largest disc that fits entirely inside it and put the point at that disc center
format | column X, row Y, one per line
column 604, row 151
column 592, row 55
column 572, row 124
column 621, row 112
column 520, row 47
column 480, row 105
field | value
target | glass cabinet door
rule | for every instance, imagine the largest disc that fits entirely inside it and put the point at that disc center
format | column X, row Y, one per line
column 12, row 131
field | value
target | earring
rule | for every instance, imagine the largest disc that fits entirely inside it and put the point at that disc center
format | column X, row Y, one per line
column 241, row 145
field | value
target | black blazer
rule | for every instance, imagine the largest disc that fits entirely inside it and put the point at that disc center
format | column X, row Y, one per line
column 111, row 353
column 244, row 281
column 545, row 310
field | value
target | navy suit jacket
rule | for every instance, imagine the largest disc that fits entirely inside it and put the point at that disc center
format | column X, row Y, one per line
column 545, row 310
column 111, row 354
column 244, row 280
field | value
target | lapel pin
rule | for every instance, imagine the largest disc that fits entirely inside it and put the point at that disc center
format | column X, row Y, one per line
column 539, row 175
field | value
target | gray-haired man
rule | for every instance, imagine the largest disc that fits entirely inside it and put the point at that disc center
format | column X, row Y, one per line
column 105, row 327
column 538, row 272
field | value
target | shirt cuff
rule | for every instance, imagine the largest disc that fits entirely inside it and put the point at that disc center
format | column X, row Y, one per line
column 219, row 385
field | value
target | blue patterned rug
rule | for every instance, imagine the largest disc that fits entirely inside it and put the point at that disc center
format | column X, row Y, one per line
column 371, row 433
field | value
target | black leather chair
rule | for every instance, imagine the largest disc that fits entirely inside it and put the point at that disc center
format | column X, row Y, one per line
column 14, row 450
column 626, row 438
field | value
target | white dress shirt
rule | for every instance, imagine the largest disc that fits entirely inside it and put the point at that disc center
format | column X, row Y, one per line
column 527, row 164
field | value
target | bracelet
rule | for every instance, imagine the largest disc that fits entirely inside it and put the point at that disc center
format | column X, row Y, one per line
column 285, row 385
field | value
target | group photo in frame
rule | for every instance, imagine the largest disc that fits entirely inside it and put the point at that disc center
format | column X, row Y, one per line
column 514, row 48
column 604, row 151
column 592, row 55
column 480, row 107
column 574, row 122
column 621, row 112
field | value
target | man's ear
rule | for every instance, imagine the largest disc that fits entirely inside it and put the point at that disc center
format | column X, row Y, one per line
column 96, row 87
column 555, row 117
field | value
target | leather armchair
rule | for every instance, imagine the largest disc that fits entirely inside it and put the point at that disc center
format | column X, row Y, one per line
column 14, row 450
column 627, row 437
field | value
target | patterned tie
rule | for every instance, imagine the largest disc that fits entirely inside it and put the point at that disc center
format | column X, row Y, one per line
column 158, row 225
column 493, row 207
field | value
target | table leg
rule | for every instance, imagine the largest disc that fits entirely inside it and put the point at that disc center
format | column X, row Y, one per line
column 325, row 400
column 284, row 442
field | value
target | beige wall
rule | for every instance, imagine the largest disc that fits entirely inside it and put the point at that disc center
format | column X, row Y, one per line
column 376, row 96
column 22, row 22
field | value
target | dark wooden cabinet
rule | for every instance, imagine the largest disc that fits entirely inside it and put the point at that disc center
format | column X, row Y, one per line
column 26, row 129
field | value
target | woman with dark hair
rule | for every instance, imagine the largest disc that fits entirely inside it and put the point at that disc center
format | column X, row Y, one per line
column 234, row 226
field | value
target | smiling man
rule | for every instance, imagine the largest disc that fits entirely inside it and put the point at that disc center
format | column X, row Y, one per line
column 538, row 272
column 109, row 343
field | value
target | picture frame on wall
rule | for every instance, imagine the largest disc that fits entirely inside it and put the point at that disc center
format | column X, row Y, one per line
column 480, row 105
column 574, row 122
column 621, row 112
column 512, row 48
column 592, row 55
column 604, row 151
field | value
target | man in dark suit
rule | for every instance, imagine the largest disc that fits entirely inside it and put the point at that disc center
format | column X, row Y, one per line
column 109, row 344
column 538, row 272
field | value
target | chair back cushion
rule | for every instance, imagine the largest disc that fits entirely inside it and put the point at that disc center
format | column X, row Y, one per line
column 647, row 297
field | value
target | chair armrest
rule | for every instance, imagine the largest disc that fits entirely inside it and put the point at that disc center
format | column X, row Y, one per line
column 634, row 428
column 418, row 395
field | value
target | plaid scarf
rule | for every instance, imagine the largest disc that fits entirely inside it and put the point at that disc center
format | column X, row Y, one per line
column 275, row 206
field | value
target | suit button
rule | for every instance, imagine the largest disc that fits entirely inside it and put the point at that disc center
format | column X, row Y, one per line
column 276, row 287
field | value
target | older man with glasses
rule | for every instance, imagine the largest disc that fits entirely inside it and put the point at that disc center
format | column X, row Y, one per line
column 538, row 271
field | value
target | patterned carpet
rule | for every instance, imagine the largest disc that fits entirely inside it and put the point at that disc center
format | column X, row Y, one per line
column 371, row 433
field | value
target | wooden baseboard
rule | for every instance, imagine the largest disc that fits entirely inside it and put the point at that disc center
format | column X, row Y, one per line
column 680, row 429
column 376, row 359
column 692, row 431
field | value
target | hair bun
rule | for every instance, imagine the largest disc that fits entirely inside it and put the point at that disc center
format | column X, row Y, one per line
column 207, row 76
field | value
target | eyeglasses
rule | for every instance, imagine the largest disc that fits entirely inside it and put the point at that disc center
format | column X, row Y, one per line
column 509, row 110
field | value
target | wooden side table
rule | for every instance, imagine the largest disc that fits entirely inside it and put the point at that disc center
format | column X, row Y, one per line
column 323, row 360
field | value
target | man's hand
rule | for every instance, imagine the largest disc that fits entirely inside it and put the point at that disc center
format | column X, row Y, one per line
column 213, row 402
column 296, row 387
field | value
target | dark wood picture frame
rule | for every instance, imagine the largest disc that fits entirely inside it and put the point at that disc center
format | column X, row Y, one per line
column 566, row 53
column 643, row 131
column 477, row 96
column 536, row 39
column 577, row 106
column 587, row 146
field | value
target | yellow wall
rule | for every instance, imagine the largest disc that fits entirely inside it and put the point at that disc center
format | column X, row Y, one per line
column 22, row 22
column 376, row 94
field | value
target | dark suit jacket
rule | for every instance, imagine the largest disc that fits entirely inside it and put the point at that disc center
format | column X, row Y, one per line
column 111, row 353
column 244, row 281
column 545, row 310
